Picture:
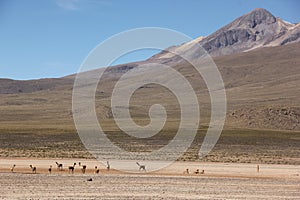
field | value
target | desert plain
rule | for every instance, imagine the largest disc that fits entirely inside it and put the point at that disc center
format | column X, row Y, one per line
column 262, row 126
column 219, row 181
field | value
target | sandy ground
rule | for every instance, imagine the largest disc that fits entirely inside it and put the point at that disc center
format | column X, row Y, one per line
column 220, row 181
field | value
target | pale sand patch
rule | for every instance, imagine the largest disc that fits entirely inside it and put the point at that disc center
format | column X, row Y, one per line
column 220, row 181
column 177, row 168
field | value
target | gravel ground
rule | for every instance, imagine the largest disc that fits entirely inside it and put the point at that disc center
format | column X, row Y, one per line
column 220, row 181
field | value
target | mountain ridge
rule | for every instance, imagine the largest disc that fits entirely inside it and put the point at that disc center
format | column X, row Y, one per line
column 256, row 29
column 261, row 85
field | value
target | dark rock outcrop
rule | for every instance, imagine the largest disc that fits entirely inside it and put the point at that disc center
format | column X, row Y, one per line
column 249, row 31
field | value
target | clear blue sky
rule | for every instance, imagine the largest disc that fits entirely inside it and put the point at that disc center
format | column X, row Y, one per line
column 51, row 38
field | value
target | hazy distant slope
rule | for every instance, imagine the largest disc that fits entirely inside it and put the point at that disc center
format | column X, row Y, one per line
column 9, row 86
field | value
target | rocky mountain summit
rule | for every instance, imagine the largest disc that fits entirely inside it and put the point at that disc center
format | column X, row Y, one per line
column 256, row 29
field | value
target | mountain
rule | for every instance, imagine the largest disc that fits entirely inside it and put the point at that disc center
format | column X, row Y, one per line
column 258, row 56
column 256, row 29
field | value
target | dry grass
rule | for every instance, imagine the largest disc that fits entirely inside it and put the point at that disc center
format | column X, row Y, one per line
column 39, row 123
column 242, row 146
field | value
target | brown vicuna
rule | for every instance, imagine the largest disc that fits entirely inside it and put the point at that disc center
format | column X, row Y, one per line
column 50, row 169
column 187, row 171
column 33, row 169
column 12, row 168
column 141, row 167
column 108, row 166
column 83, row 169
column 96, row 170
column 59, row 166
column 71, row 168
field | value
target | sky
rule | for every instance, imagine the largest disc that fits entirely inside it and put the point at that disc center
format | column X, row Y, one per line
column 51, row 38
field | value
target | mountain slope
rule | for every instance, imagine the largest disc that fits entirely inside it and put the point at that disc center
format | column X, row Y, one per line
column 256, row 29
column 261, row 83
column 262, row 89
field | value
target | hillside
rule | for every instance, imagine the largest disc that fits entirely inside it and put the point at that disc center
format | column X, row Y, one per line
column 261, row 86
column 260, row 72
column 261, row 78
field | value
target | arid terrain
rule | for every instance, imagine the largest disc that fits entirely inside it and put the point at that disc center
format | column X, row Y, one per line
column 220, row 181
column 258, row 56
column 262, row 123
